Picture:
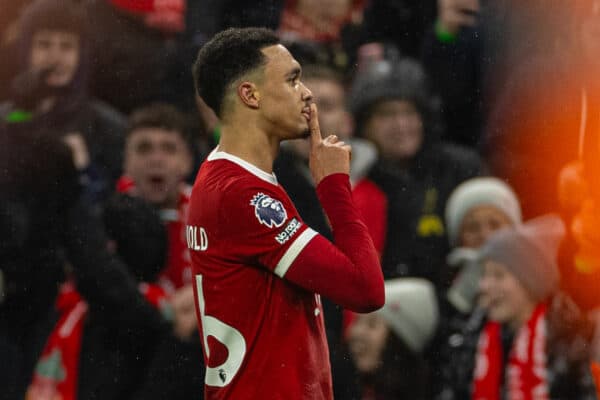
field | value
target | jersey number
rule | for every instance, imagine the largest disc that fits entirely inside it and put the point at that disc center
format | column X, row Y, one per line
column 230, row 337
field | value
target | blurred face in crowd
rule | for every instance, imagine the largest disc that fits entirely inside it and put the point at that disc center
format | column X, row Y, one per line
column 158, row 161
column 507, row 301
column 58, row 51
column 367, row 337
column 395, row 126
column 330, row 98
column 479, row 223
column 284, row 99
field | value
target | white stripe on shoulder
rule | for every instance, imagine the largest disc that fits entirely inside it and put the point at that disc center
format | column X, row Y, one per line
column 292, row 252
column 253, row 169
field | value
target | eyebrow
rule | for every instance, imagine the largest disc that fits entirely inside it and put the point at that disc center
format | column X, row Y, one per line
column 294, row 72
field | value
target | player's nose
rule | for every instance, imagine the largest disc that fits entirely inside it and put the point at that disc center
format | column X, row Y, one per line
column 307, row 95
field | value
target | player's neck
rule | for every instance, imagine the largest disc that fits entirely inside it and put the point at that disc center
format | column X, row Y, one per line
column 250, row 145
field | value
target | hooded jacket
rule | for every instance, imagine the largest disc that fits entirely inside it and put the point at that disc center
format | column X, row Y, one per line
column 74, row 111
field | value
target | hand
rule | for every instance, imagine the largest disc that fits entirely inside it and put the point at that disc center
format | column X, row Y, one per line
column 454, row 14
column 81, row 156
column 184, row 308
column 30, row 85
column 465, row 288
column 572, row 188
column 327, row 156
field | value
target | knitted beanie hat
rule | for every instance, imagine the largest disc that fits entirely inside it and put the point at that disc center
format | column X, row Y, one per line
column 478, row 192
column 411, row 310
column 529, row 251
column 385, row 80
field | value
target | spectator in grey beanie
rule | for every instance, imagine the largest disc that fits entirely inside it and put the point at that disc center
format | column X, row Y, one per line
column 476, row 209
column 528, row 252
column 386, row 81
column 536, row 341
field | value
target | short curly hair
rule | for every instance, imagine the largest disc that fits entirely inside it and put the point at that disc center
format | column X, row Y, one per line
column 226, row 57
column 164, row 116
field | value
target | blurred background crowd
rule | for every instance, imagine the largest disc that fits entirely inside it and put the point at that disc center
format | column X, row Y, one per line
column 475, row 129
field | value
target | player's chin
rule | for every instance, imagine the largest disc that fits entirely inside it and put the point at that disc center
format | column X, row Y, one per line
column 305, row 134
column 300, row 133
column 304, row 130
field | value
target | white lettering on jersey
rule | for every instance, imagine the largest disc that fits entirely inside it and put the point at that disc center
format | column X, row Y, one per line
column 289, row 231
column 197, row 239
column 231, row 338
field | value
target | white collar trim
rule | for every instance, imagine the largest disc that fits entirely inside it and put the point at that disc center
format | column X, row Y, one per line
column 221, row 155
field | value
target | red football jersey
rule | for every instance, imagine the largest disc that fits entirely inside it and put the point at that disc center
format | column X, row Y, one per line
column 263, row 337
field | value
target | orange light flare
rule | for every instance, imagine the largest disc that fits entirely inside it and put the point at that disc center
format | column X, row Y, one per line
column 547, row 115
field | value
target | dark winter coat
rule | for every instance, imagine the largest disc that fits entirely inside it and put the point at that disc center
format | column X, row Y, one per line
column 126, row 341
column 416, row 242
column 402, row 374
column 38, row 182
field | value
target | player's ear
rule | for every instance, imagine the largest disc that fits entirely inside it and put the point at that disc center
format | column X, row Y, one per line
column 248, row 93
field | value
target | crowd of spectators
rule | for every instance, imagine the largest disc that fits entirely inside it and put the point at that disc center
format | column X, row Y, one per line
column 470, row 122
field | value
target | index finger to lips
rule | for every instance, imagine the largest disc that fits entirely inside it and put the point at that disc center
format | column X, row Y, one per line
column 313, row 125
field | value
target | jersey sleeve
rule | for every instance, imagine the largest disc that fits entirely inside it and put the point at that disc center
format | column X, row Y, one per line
column 262, row 226
column 346, row 271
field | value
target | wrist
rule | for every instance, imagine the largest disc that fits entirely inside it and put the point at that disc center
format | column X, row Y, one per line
column 443, row 33
column 339, row 179
column 335, row 196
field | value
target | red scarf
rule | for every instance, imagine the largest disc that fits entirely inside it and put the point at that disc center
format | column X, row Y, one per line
column 55, row 375
column 178, row 269
column 525, row 373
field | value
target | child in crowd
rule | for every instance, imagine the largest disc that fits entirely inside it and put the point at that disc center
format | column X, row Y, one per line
column 386, row 346
column 534, row 343
column 476, row 209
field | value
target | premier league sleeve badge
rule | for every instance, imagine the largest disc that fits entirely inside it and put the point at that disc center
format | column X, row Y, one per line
column 268, row 211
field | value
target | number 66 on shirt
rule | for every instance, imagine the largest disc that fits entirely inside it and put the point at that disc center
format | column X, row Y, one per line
column 228, row 336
